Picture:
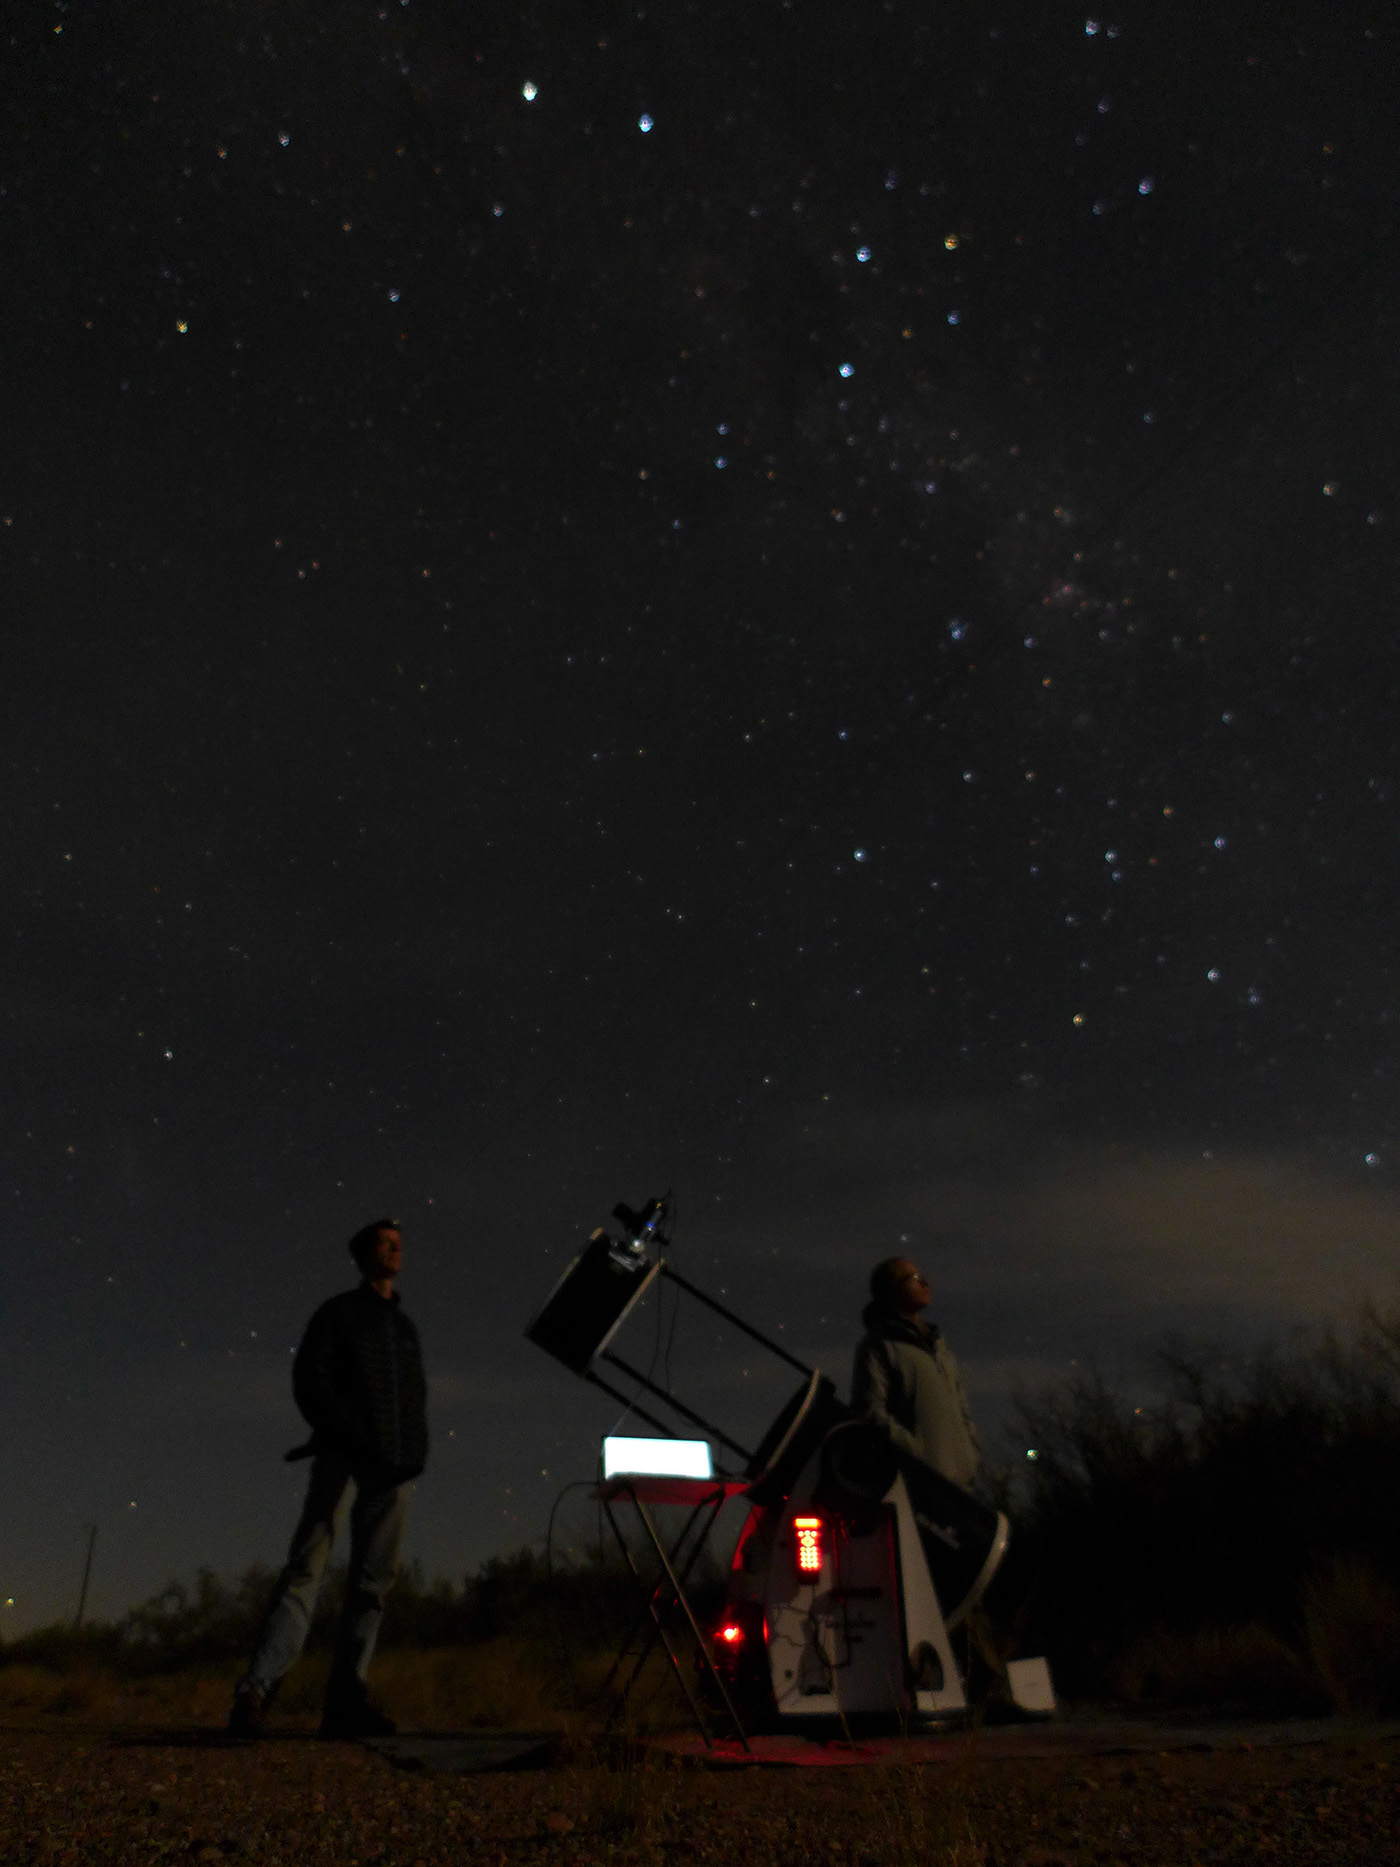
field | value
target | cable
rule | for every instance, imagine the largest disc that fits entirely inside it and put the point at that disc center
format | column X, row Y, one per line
column 664, row 1226
column 561, row 1619
column 673, row 1217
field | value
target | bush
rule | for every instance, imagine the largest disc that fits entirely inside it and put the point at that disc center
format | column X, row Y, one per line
column 585, row 1603
column 1251, row 1512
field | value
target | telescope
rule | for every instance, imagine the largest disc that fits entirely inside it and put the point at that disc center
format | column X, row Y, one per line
column 854, row 1562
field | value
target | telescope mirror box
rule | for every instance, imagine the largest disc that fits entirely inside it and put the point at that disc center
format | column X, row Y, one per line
column 589, row 1304
column 657, row 1458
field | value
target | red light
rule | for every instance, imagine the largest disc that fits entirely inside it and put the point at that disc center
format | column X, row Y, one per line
column 731, row 1633
column 808, row 1531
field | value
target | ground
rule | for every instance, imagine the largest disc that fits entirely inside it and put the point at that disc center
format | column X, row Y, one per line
column 78, row 1795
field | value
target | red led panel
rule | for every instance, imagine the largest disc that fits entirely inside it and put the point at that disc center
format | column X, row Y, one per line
column 808, row 1531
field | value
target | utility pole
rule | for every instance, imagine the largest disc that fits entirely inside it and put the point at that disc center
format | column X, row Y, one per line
column 87, row 1577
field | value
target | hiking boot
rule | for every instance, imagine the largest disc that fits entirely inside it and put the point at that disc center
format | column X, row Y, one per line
column 249, row 1710
column 356, row 1718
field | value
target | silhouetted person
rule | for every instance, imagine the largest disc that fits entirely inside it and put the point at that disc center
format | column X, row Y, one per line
column 906, row 1380
column 358, row 1379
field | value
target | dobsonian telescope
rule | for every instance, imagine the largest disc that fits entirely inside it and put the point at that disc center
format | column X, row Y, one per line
column 853, row 1564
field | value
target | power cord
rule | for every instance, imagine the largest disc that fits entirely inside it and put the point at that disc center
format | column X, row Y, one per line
column 560, row 1618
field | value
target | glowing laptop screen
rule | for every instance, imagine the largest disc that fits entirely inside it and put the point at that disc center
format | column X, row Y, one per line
column 657, row 1458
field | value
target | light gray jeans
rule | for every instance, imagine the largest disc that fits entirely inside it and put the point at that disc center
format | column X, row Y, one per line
column 377, row 1520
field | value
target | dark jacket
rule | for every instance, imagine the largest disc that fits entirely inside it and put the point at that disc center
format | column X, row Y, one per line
column 906, row 1380
column 358, row 1379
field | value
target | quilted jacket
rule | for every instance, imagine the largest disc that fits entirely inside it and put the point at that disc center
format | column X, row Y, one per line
column 358, row 1379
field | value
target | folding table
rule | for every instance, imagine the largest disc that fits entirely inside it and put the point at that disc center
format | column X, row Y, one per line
column 704, row 1498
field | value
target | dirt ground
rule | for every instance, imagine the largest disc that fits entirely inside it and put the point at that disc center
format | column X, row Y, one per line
column 75, row 1796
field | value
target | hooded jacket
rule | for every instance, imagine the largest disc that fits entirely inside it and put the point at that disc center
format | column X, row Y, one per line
column 358, row 1380
column 906, row 1380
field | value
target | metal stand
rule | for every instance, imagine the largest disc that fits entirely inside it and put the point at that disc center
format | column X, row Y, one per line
column 706, row 1497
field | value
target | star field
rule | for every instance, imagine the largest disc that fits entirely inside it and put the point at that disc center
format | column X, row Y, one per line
column 799, row 605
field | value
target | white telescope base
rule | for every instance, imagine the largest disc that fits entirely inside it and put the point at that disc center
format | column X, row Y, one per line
column 865, row 1635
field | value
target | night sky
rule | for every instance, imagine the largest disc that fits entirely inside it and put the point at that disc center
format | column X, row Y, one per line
column 796, row 603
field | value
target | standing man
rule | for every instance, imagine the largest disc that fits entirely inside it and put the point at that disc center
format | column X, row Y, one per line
column 358, row 1379
column 906, row 1379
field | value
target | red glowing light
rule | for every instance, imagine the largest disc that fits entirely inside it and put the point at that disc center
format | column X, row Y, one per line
column 808, row 1531
column 731, row 1633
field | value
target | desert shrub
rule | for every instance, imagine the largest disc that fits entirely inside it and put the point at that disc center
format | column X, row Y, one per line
column 1217, row 1666
column 1240, row 1513
column 584, row 1603
column 182, row 1627
column 1351, row 1619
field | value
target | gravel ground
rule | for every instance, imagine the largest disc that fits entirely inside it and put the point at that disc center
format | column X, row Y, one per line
column 70, row 1796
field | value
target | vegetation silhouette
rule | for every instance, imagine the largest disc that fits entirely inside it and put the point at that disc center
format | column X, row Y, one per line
column 1232, row 1546
column 1236, row 1542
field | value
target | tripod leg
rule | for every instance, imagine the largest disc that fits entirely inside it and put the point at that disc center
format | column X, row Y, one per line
column 624, row 1651
column 678, row 1596
column 675, row 1596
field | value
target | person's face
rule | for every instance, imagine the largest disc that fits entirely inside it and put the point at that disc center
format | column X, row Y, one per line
column 912, row 1285
column 386, row 1258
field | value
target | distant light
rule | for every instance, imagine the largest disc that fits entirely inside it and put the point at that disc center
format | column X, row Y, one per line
column 645, row 122
column 950, row 240
column 720, row 461
column 1091, row 27
column 955, row 317
column 860, row 854
column 497, row 209
column 847, row 369
column 529, row 91
column 1031, row 1453
column 1078, row 1019
column 393, row 298
column 1330, row 488
column 181, row 326
column 1146, row 185
column 284, row 138
column 862, row 254
column 1372, row 1160
column 1220, row 842
column 1214, row 975
column 170, row 1053
column 731, row 1633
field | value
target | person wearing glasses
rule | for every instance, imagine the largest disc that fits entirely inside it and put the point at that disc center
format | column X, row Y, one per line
column 906, row 1379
